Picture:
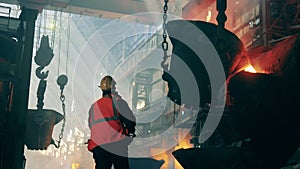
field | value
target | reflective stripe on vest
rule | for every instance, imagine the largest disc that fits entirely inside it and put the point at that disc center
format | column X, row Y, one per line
column 93, row 121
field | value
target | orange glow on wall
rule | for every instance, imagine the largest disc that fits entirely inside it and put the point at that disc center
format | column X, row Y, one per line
column 167, row 155
column 164, row 156
column 185, row 143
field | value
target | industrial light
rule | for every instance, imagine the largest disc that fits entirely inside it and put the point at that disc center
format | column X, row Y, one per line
column 52, row 26
column 140, row 104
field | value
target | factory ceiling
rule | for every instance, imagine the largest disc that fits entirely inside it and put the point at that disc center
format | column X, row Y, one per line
column 114, row 8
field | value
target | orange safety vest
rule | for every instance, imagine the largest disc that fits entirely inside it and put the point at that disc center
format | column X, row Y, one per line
column 104, row 123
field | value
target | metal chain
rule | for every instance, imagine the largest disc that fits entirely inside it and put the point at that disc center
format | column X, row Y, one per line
column 221, row 19
column 62, row 99
column 165, row 44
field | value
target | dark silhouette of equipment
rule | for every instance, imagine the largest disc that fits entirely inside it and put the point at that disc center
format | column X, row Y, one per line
column 40, row 122
column 145, row 163
column 261, row 112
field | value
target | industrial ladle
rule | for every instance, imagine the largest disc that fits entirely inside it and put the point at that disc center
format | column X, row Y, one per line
column 40, row 122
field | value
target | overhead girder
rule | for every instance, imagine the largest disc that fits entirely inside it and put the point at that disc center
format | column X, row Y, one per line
column 112, row 8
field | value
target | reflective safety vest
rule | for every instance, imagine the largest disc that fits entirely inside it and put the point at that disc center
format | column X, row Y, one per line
column 104, row 123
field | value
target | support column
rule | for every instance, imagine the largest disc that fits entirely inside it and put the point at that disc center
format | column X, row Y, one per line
column 17, row 123
column 265, row 21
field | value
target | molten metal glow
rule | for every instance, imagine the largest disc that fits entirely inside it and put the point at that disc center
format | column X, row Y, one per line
column 208, row 17
column 167, row 155
column 250, row 69
column 185, row 143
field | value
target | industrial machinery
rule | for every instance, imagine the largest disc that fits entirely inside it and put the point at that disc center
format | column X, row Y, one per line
column 16, row 38
column 16, row 53
column 259, row 125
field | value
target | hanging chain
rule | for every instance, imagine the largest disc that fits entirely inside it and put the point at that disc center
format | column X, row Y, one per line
column 165, row 44
column 62, row 80
column 62, row 99
column 221, row 19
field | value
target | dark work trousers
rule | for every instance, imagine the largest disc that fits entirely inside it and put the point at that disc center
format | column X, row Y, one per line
column 107, row 155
